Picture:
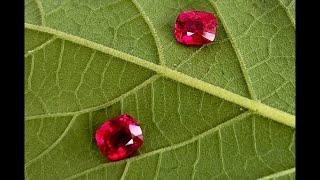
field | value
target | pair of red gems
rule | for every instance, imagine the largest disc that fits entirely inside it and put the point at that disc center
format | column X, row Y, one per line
column 121, row 137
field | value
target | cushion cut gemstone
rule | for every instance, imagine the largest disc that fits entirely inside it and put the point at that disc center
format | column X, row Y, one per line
column 119, row 137
column 195, row 28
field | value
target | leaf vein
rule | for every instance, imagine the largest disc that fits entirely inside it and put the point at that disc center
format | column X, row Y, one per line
column 42, row 14
column 172, row 147
column 53, row 144
column 31, row 73
column 60, row 63
column 238, row 54
column 153, row 31
column 122, row 96
column 221, row 153
column 292, row 20
column 82, row 76
column 125, row 171
column 256, row 106
column 153, row 116
column 158, row 166
column 278, row 174
column 43, row 45
column 197, row 159
column 255, row 146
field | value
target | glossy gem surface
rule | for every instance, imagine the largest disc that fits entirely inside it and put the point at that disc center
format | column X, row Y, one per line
column 195, row 28
column 119, row 137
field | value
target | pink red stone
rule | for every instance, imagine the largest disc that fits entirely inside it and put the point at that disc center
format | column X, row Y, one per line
column 119, row 137
column 195, row 28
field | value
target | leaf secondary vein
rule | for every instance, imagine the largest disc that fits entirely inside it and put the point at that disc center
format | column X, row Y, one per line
column 122, row 96
column 278, row 174
column 42, row 14
column 125, row 171
column 172, row 147
column 238, row 54
column 153, row 31
column 43, row 45
column 53, row 144
column 288, row 13
column 253, row 105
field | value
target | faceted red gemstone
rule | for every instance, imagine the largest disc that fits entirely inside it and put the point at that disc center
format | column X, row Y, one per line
column 119, row 137
column 195, row 28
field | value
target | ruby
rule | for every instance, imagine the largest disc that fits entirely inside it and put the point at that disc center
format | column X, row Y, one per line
column 195, row 28
column 119, row 137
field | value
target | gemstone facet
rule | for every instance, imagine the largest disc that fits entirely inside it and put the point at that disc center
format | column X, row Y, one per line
column 195, row 28
column 119, row 137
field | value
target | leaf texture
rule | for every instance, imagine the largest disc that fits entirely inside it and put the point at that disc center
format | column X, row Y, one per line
column 223, row 111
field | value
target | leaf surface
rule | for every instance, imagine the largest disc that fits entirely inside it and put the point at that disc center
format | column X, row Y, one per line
column 223, row 111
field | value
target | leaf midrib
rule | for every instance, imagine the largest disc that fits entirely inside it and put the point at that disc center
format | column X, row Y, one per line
column 253, row 105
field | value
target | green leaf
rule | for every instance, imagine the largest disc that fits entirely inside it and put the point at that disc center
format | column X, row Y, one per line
column 223, row 111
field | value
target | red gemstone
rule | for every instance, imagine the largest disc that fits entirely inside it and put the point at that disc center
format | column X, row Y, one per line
column 119, row 137
column 195, row 28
